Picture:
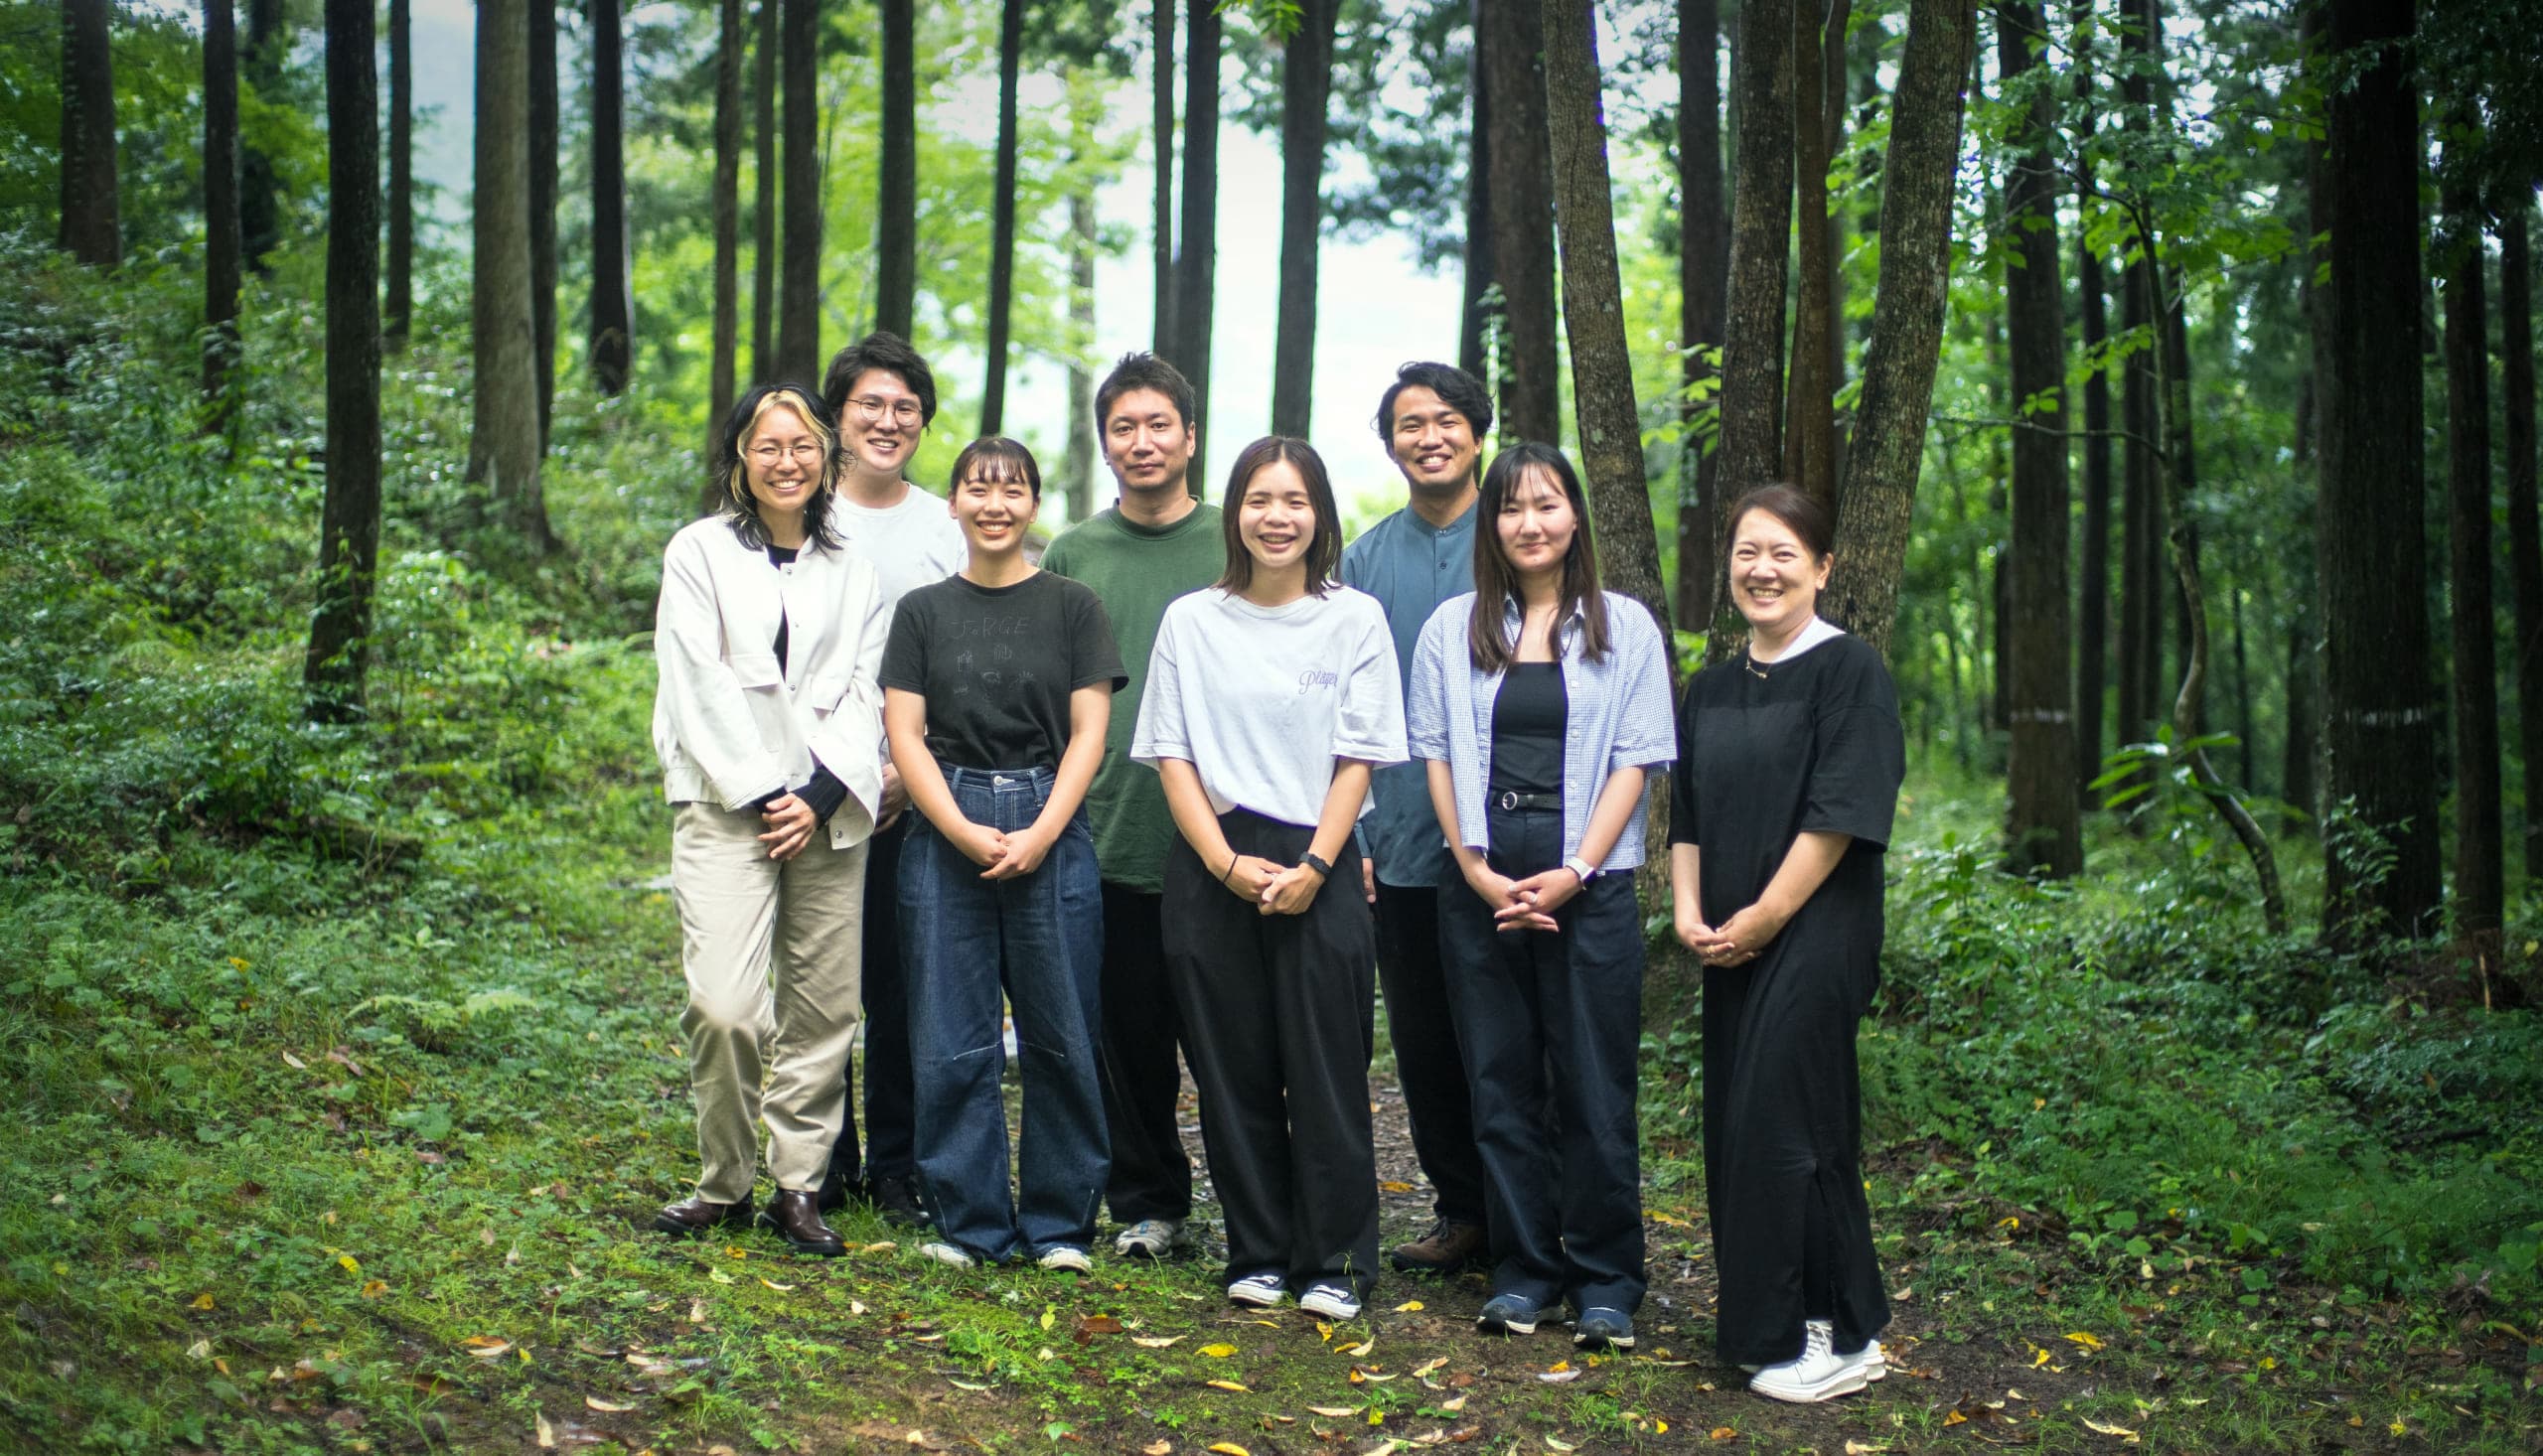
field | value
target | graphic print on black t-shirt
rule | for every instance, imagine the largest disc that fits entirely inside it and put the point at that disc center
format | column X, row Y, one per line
column 996, row 666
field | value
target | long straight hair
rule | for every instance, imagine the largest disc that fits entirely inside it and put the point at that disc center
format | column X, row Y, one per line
column 1324, row 547
column 1496, row 581
column 739, row 508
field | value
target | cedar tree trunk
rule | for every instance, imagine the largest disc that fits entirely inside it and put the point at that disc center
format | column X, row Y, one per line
column 1703, row 262
column 349, row 523
column 764, row 364
column 613, row 312
column 720, row 386
column 92, row 225
column 220, row 207
column 2480, row 880
column 1196, row 263
column 799, row 290
column 2524, row 544
column 503, row 438
column 1307, row 84
column 896, row 196
column 1522, row 183
column 1011, row 65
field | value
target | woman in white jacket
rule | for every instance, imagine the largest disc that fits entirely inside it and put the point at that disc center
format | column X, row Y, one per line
column 769, row 725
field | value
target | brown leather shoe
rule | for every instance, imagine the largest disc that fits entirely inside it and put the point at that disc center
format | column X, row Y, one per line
column 797, row 1217
column 696, row 1217
column 1448, row 1248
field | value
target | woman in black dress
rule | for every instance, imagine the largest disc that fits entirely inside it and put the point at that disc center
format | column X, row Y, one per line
column 1789, row 761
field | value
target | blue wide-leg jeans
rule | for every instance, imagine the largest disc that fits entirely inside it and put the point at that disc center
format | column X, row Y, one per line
column 972, row 947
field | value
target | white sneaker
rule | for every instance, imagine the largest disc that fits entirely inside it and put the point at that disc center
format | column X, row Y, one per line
column 1264, row 1290
column 1875, row 1365
column 1817, row 1373
column 946, row 1254
column 1066, row 1257
column 1152, row 1238
column 1333, row 1301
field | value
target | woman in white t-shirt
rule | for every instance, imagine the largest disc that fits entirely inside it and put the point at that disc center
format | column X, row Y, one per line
column 1271, row 697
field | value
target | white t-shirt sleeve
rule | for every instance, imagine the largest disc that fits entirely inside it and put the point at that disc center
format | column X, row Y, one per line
column 1370, row 723
column 1161, row 732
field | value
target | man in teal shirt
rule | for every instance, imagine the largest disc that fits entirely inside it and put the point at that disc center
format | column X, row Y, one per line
column 1158, row 542
column 1433, row 420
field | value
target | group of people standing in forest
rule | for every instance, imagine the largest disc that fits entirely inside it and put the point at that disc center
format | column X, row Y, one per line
column 1137, row 769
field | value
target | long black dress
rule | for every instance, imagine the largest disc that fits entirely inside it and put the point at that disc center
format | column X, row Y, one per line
column 1766, row 752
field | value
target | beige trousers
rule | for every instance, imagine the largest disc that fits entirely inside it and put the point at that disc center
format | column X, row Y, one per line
column 772, row 952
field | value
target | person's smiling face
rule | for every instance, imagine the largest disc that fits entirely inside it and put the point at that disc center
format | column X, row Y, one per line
column 1775, row 581
column 782, row 460
column 1433, row 444
column 994, row 505
column 1277, row 517
column 880, row 423
column 1537, row 523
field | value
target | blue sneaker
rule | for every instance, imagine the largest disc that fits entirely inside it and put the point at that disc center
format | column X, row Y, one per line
column 1511, row 1314
column 1601, row 1327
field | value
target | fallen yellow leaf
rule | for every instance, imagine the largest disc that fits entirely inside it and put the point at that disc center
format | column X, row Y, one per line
column 351, row 1265
column 1230, row 1448
column 1453, row 1407
column 1395, row 1185
column 1954, row 1417
column 1333, row 1410
column 1560, row 1364
column 485, row 1347
column 2086, row 1339
column 1218, row 1352
column 1223, row 1386
column 1673, row 1222
column 547, row 1433
column 606, row 1407
column 1410, row 1306
column 373, row 1288
column 2123, row 1432
column 719, row 1277
column 1725, row 1433
column 203, row 1301
column 1156, row 1341
column 1158, row 1449
column 779, row 1288
column 1553, row 1445
column 2039, row 1359
column 1428, row 1365
column 1361, row 1349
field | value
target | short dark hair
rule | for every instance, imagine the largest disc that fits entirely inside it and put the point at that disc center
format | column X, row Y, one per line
column 732, row 474
column 1140, row 369
column 889, row 353
column 1496, row 585
column 1324, row 549
column 995, row 458
column 1805, row 516
column 1457, row 388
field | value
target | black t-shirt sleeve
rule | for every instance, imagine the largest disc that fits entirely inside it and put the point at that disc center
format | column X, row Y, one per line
column 1094, row 657
column 1859, row 754
column 905, row 648
column 1682, row 774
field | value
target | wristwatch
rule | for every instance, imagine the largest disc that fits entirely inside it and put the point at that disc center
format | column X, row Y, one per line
column 1317, row 863
column 1582, row 867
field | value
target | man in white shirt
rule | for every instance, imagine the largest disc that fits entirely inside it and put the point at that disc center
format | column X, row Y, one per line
column 882, row 395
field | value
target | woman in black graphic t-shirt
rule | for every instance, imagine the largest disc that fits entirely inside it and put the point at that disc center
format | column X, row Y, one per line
column 997, row 686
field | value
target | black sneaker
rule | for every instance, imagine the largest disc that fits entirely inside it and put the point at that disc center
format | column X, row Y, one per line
column 1601, row 1327
column 895, row 1197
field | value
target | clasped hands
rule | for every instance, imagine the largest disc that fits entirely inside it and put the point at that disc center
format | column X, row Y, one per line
column 1273, row 887
column 1524, row 905
column 1741, row 938
column 1003, row 854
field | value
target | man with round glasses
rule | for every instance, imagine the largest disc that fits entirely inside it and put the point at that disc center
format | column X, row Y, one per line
column 882, row 395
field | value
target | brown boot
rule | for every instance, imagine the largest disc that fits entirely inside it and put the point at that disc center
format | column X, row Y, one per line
column 796, row 1215
column 696, row 1217
column 1448, row 1248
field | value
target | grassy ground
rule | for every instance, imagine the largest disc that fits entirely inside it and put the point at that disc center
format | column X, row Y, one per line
column 339, row 1072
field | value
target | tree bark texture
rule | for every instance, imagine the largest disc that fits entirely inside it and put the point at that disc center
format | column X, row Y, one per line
column 1196, row 260
column 349, row 522
column 220, row 268
column 2524, row 542
column 1761, row 203
column 2043, row 828
column 613, row 312
column 1593, row 309
column 799, row 289
column 1810, row 419
column 2092, row 668
column 259, row 196
column 896, row 199
column 2378, row 695
column 503, row 438
column 1077, row 464
column 1306, row 85
column 91, row 224
column 1522, row 183
column 1162, row 198
column 764, row 365
column 2298, row 779
column 2144, row 577
column 1879, row 491
column 1011, row 65
column 1475, row 315
column 721, row 386
column 2481, row 875
column 400, row 283
column 1704, row 282
column 543, row 142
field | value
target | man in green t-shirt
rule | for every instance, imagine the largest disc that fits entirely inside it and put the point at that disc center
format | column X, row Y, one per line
column 1156, row 543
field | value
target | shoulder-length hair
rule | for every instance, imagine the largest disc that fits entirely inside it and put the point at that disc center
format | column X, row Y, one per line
column 1324, row 549
column 736, row 505
column 1496, row 581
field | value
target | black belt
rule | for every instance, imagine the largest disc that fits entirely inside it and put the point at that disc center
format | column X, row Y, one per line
column 1509, row 799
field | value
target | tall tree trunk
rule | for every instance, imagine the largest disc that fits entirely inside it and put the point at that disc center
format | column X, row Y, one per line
column 764, row 362
column 2246, row 731
column 1880, row 489
column 1704, row 263
column 2524, row 542
column 1602, row 366
column 259, row 203
column 1761, row 203
column 504, row 441
column 1307, row 84
column 2298, row 779
column 1475, row 315
column 613, row 312
column 1162, row 337
column 1522, row 183
column 896, row 202
column 2043, row 828
column 349, row 523
column 543, row 142
column 2480, row 879
column 1077, row 466
column 220, row 208
column 2093, row 625
column 1810, row 423
column 799, row 289
column 2379, row 700
column 1196, row 261
column 721, row 387
column 91, row 224
column 1011, row 66
column 2144, row 577
column 400, row 308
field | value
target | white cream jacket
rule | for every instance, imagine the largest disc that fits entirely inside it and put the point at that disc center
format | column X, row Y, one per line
column 729, row 725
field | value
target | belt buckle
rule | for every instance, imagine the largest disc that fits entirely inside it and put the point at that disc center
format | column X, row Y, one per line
column 1509, row 800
